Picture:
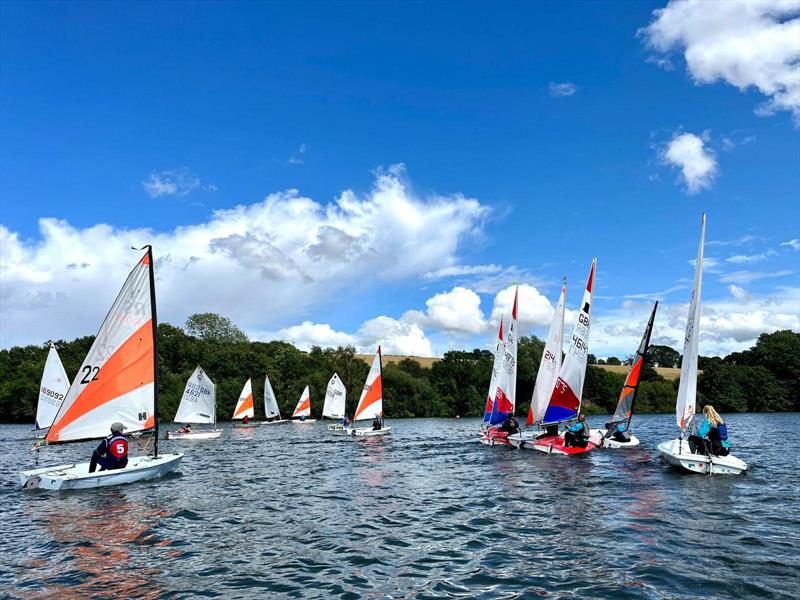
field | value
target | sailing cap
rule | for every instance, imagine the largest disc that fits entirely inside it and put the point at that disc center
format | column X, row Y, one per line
column 117, row 427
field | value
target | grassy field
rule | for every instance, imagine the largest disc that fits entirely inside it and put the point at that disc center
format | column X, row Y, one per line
column 427, row 361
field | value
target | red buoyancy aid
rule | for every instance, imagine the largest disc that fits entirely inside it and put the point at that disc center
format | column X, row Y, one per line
column 117, row 446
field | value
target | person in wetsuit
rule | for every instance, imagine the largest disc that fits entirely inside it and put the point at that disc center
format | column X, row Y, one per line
column 377, row 423
column 577, row 435
column 617, row 432
column 112, row 453
column 712, row 435
column 509, row 426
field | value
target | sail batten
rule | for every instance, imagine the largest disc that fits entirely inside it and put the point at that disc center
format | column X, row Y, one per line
column 335, row 398
column 550, row 364
column 116, row 380
column 565, row 401
column 687, row 389
column 245, row 406
column 198, row 403
column 370, row 404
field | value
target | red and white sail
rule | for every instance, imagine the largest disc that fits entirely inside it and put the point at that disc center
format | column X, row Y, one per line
column 303, row 408
column 115, row 381
column 565, row 402
column 687, row 389
column 335, row 398
column 371, row 402
column 505, row 396
column 499, row 352
column 550, row 365
column 52, row 390
column 245, row 407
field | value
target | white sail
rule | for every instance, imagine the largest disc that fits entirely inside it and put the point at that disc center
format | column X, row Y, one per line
column 115, row 381
column 335, row 397
column 245, row 406
column 271, row 408
column 550, row 365
column 499, row 353
column 303, row 408
column 505, row 395
column 52, row 390
column 687, row 390
column 370, row 404
column 199, row 400
column 565, row 402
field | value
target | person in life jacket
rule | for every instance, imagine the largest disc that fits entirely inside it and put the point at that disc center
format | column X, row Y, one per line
column 345, row 422
column 712, row 435
column 577, row 435
column 112, row 453
column 377, row 423
column 509, row 426
column 617, row 432
column 245, row 420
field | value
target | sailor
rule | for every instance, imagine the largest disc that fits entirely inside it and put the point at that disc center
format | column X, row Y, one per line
column 712, row 435
column 509, row 426
column 617, row 432
column 185, row 429
column 112, row 453
column 377, row 423
column 245, row 420
column 345, row 422
column 577, row 435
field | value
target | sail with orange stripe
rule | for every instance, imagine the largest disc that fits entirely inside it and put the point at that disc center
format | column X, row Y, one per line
column 245, row 407
column 303, row 408
column 370, row 404
column 624, row 410
column 116, row 380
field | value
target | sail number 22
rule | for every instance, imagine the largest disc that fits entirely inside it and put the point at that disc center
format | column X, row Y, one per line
column 89, row 373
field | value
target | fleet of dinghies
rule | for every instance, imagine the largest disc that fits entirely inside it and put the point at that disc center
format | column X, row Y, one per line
column 118, row 382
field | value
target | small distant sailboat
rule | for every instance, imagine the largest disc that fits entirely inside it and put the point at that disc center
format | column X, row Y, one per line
column 504, row 403
column 370, row 404
column 245, row 408
column 52, row 391
column 546, row 376
column 302, row 412
column 677, row 452
column 565, row 401
column 198, row 406
column 624, row 410
column 118, row 381
column 497, row 365
column 335, row 399
column 271, row 408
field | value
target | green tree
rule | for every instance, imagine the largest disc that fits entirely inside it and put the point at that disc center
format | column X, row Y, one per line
column 613, row 360
column 212, row 327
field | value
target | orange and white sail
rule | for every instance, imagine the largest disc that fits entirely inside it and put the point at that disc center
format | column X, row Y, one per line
column 52, row 391
column 116, row 380
column 245, row 406
column 303, row 408
column 370, row 404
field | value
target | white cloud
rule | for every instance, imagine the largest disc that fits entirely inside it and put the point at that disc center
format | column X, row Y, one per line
column 794, row 244
column 263, row 265
column 744, row 240
column 462, row 270
column 740, row 259
column 749, row 276
column 739, row 293
column 533, row 308
column 457, row 312
column 560, row 90
column 297, row 157
column 309, row 334
column 745, row 43
column 697, row 164
column 174, row 182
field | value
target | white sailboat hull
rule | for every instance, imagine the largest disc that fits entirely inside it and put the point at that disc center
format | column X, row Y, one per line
column 596, row 437
column 365, row 431
column 676, row 453
column 249, row 425
column 277, row 422
column 523, row 440
column 299, row 422
column 337, row 427
column 77, row 476
column 200, row 434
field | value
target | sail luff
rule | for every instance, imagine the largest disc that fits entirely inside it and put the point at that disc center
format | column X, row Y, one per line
column 154, row 324
column 687, row 390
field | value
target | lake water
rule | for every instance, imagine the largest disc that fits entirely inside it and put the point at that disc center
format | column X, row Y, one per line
column 426, row 512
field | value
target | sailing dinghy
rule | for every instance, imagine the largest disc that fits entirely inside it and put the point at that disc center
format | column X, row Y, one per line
column 624, row 411
column 245, row 408
column 118, row 381
column 505, row 392
column 52, row 391
column 198, row 406
column 334, row 406
column 677, row 452
column 271, row 408
column 302, row 412
column 565, row 401
column 370, row 404
column 546, row 376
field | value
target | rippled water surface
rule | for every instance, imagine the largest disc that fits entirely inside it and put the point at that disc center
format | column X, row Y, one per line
column 425, row 512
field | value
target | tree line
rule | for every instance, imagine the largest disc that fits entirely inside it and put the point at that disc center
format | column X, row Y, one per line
column 764, row 378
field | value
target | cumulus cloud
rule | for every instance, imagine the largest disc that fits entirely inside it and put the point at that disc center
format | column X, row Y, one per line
column 264, row 264
column 739, row 293
column 174, row 182
column 560, row 90
column 533, row 309
column 697, row 164
column 794, row 244
column 456, row 312
column 744, row 43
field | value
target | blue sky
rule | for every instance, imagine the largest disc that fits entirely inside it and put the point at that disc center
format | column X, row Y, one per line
column 532, row 137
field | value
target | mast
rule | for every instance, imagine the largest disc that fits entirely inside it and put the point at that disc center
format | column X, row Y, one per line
column 155, row 344
column 380, row 366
